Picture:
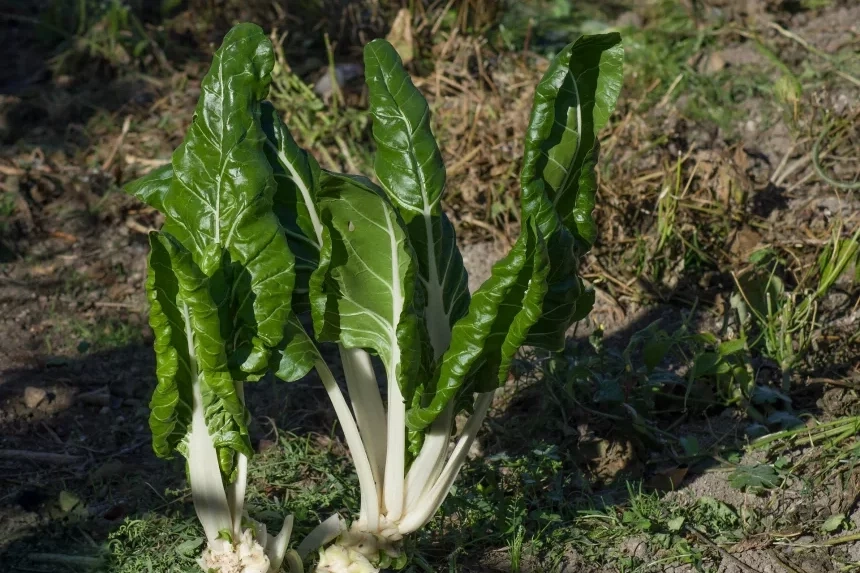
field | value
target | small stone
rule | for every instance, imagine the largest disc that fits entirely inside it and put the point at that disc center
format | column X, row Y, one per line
column 34, row 396
column 713, row 63
column 266, row 445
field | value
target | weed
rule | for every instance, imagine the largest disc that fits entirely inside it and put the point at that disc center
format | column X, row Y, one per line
column 155, row 543
column 785, row 321
column 318, row 126
column 88, row 30
column 833, row 448
column 659, row 375
column 104, row 334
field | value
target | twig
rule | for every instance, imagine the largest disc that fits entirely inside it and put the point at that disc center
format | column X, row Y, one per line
column 672, row 86
column 42, row 457
column 128, row 449
column 468, row 219
column 98, row 397
column 337, row 95
column 126, row 124
column 785, row 565
column 53, row 434
column 792, row 36
column 457, row 167
column 816, row 163
column 725, row 554
column 11, row 171
column 344, row 150
column 154, row 163
column 108, row 304
column 840, row 540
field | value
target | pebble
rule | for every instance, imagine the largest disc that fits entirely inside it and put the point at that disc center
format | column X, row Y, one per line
column 34, row 396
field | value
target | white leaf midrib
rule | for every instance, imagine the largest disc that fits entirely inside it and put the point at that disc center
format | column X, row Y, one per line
column 437, row 316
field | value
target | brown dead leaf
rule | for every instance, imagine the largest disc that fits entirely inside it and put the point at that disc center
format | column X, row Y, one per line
column 11, row 171
column 745, row 242
column 668, row 479
column 400, row 35
column 69, row 238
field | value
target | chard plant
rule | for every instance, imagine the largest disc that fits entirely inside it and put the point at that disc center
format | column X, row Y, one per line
column 219, row 284
column 258, row 236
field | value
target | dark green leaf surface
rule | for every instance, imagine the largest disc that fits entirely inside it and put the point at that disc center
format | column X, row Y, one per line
column 573, row 101
column 409, row 166
column 408, row 161
column 220, row 197
column 296, row 354
column 484, row 342
column 177, row 278
column 297, row 176
column 153, row 187
column 170, row 415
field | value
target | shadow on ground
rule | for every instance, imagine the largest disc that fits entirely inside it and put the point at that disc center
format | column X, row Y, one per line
column 75, row 455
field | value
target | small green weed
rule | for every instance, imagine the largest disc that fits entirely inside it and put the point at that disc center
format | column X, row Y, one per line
column 318, row 126
column 300, row 477
column 782, row 322
column 155, row 544
column 104, row 334
column 90, row 30
column 833, row 449
column 661, row 375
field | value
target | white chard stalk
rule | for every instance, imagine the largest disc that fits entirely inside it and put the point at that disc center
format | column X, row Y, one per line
column 235, row 542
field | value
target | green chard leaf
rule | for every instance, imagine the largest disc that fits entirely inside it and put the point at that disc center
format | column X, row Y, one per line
column 409, row 167
column 484, row 342
column 365, row 293
column 297, row 353
column 185, row 320
column 572, row 103
column 153, row 187
column 170, row 415
column 219, row 202
column 295, row 201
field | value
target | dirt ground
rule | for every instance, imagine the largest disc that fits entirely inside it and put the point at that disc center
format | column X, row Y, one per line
column 76, row 363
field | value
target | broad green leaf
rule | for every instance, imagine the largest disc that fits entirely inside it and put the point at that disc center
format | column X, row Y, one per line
column 219, row 204
column 186, row 317
column 484, row 341
column 566, row 299
column 408, row 161
column 833, row 523
column 572, row 102
column 756, row 477
column 370, row 291
column 761, row 291
column 441, row 271
column 170, row 415
column 730, row 347
column 675, row 524
column 296, row 354
column 297, row 176
column 153, row 187
column 409, row 167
